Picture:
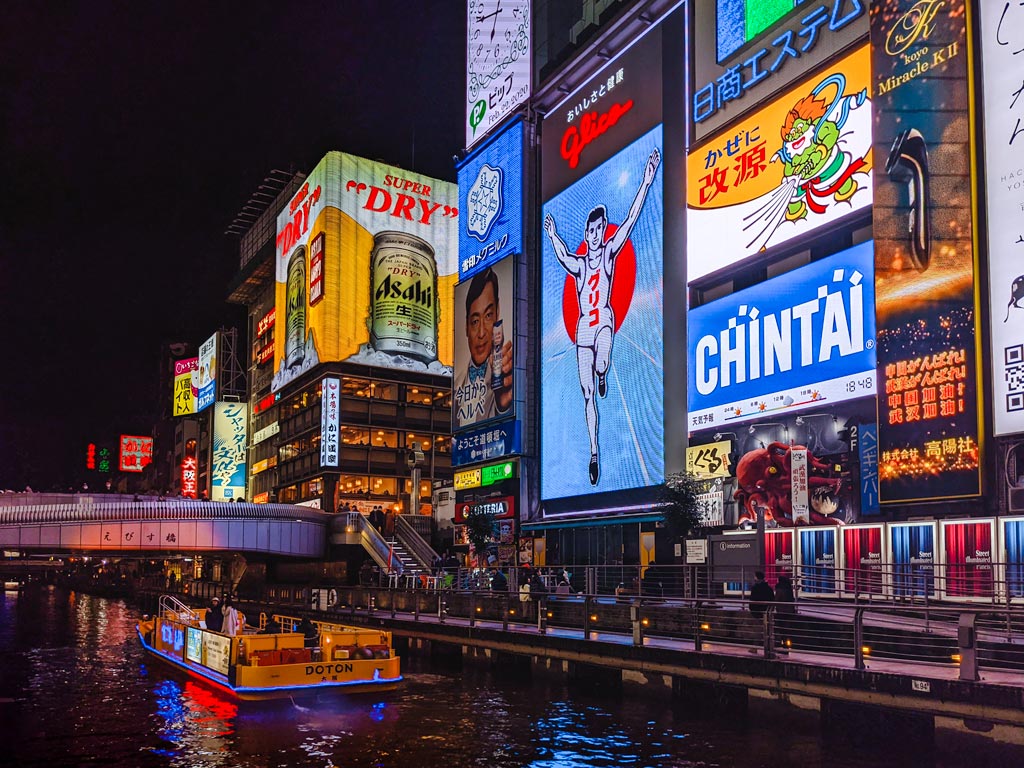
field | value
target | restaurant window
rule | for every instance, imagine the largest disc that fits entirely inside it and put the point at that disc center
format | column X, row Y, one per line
column 417, row 440
column 384, row 438
column 355, row 387
column 355, row 436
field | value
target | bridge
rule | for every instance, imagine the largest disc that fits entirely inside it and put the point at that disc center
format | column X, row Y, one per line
column 37, row 524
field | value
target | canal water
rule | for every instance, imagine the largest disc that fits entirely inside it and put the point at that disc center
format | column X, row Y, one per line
column 77, row 690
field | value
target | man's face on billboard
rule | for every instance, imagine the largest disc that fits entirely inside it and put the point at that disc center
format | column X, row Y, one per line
column 483, row 314
column 595, row 232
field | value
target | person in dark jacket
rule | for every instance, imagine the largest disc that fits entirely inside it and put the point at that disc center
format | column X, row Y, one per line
column 214, row 617
column 309, row 632
column 785, row 613
column 499, row 582
column 761, row 594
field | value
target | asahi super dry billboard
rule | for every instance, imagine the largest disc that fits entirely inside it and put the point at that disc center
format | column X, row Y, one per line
column 386, row 266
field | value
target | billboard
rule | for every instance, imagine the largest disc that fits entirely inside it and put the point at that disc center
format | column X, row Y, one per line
column 1012, row 537
column 862, row 559
column 796, row 468
column 818, row 563
column 136, row 452
column 485, row 330
column 1004, row 196
column 799, row 163
column 779, row 554
column 491, row 441
column 601, row 281
column 330, row 421
column 929, row 422
column 388, row 261
column 491, row 201
column 601, row 334
column 185, row 394
column 912, row 554
column 227, row 461
column 498, row 58
column 968, row 553
column 746, row 50
column 800, row 340
column 205, row 381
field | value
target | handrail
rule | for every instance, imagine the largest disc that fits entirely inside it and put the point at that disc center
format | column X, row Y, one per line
column 171, row 605
column 414, row 544
column 374, row 543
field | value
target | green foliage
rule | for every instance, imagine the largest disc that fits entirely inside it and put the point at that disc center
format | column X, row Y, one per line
column 680, row 507
column 480, row 530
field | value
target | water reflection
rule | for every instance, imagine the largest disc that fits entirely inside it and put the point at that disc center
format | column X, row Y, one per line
column 76, row 689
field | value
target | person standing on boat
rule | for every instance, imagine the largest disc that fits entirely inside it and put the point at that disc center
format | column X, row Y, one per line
column 230, row 617
column 214, row 616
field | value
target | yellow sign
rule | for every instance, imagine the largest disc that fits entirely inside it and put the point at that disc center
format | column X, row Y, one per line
column 801, row 162
column 367, row 259
column 469, row 478
column 709, row 460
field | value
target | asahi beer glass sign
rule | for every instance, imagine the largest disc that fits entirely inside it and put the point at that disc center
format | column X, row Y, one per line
column 367, row 258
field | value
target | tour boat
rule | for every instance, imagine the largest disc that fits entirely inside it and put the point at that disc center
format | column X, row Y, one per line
column 266, row 666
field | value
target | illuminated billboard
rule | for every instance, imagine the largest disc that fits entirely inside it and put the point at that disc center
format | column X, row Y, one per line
column 330, row 421
column 862, row 559
column 912, row 554
column 498, row 58
column 929, row 421
column 968, row 553
column 797, row 341
column 800, row 163
column 601, row 343
column 136, row 452
column 205, row 380
column 389, row 260
column 491, row 201
column 185, row 394
column 1004, row 174
column 744, row 51
column 227, row 461
column 484, row 350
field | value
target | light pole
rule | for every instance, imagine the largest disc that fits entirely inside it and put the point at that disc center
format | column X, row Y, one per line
column 414, row 460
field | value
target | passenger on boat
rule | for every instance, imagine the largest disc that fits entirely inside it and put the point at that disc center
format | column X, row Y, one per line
column 309, row 632
column 230, row 618
column 214, row 617
column 272, row 628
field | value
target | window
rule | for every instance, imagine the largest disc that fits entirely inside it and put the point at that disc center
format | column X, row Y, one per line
column 355, row 436
column 355, row 387
column 384, row 438
column 416, row 440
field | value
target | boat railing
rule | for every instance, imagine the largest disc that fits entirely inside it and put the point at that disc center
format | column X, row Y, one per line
column 172, row 607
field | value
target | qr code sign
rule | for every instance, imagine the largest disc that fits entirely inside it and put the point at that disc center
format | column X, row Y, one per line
column 1013, row 357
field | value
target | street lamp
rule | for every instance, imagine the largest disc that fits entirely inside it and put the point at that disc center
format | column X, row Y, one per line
column 414, row 459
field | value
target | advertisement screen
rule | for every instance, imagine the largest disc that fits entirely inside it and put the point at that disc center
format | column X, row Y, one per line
column 218, row 652
column 136, row 452
column 330, row 421
column 798, row 164
column 491, row 201
column 746, row 50
column 862, row 560
column 778, row 554
column 913, row 559
column 497, row 63
column 185, row 394
column 484, row 352
column 1003, row 23
column 818, row 561
column 389, row 260
column 227, row 470
column 798, row 341
column 967, row 549
column 491, row 441
column 929, row 424
column 194, row 645
column 1013, row 554
column 205, row 380
column 602, row 424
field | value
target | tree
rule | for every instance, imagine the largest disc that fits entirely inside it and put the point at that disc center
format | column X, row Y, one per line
column 480, row 530
column 679, row 503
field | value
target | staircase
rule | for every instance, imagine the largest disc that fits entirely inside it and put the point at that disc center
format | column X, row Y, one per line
column 399, row 554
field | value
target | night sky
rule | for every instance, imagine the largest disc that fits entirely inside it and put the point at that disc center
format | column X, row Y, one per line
column 131, row 134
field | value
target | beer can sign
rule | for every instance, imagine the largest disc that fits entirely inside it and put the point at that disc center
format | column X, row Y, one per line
column 403, row 290
column 499, row 341
column 295, row 317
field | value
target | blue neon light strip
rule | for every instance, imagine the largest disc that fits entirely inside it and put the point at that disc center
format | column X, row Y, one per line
column 221, row 682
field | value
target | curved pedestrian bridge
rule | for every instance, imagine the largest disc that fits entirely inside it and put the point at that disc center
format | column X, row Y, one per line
column 57, row 523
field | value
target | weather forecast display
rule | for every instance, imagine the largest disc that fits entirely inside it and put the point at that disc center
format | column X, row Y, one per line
column 602, row 426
